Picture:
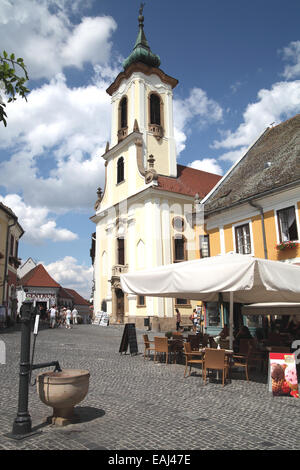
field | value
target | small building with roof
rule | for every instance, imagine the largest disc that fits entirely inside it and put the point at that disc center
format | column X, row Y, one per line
column 10, row 234
column 38, row 286
column 255, row 208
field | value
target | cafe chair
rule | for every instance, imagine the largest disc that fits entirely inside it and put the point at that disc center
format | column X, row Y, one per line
column 212, row 343
column 194, row 340
column 215, row 359
column 224, row 344
column 177, row 335
column 147, row 345
column 161, row 346
column 192, row 358
column 244, row 346
column 205, row 340
column 240, row 361
column 256, row 356
column 176, row 347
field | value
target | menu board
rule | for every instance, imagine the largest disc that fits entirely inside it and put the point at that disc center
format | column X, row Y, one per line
column 283, row 378
column 129, row 338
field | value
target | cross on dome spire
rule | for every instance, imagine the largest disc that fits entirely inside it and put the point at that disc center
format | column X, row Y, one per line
column 141, row 51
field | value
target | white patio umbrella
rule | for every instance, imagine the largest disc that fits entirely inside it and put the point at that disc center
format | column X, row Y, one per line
column 240, row 278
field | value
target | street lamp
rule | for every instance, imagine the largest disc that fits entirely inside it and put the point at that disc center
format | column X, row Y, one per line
column 22, row 423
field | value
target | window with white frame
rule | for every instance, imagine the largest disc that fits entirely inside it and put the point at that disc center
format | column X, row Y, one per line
column 243, row 239
column 287, row 224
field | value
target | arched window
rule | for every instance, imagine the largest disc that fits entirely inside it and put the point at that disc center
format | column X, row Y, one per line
column 155, row 109
column 180, row 253
column 120, row 170
column 123, row 112
column 121, row 251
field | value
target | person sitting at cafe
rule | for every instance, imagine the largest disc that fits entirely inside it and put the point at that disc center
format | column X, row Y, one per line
column 225, row 332
column 293, row 325
column 243, row 333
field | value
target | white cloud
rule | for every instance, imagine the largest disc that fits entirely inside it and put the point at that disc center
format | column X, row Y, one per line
column 67, row 128
column 89, row 42
column 272, row 106
column 36, row 222
column 46, row 38
column 72, row 275
column 292, row 53
column 197, row 107
column 210, row 165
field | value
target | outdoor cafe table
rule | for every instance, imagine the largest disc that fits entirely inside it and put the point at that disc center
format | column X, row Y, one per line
column 228, row 352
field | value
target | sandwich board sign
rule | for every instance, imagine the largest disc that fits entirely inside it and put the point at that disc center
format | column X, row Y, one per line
column 129, row 339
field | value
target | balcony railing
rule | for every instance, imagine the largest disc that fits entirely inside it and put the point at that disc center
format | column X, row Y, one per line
column 118, row 269
column 122, row 133
column 156, row 130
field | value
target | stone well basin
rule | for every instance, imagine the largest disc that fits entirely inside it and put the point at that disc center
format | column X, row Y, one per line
column 62, row 391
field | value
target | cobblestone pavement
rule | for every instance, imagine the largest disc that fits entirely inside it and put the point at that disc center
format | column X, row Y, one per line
column 138, row 404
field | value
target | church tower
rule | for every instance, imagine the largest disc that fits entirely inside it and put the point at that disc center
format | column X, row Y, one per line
column 140, row 215
column 142, row 99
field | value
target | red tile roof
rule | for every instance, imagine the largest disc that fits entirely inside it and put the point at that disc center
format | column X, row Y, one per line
column 64, row 294
column 189, row 182
column 38, row 277
column 78, row 300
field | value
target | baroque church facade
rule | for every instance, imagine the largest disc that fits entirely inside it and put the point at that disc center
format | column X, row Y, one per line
column 142, row 215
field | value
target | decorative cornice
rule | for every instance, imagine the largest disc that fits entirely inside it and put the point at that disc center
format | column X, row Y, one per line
column 143, row 68
column 127, row 140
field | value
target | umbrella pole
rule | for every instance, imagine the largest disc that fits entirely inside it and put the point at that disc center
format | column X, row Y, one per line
column 231, row 320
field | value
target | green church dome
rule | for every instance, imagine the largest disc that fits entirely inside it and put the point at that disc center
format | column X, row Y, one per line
column 141, row 51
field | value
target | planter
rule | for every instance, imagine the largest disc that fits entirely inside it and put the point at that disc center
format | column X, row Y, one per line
column 62, row 391
column 286, row 245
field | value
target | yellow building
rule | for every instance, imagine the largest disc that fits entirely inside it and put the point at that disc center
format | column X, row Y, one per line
column 140, row 216
column 10, row 234
column 255, row 208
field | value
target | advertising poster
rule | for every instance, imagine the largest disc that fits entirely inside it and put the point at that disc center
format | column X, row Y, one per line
column 283, row 378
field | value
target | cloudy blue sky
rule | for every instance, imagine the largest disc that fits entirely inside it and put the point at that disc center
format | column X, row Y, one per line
column 238, row 66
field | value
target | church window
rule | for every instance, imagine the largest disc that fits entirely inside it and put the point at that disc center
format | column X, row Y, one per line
column 121, row 251
column 123, row 112
column 155, row 109
column 179, row 248
column 178, row 224
column 123, row 119
column 120, row 170
column 141, row 301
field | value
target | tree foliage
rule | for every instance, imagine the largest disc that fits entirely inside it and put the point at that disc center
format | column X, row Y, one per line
column 13, row 77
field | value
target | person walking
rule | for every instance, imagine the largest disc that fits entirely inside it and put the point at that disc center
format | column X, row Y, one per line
column 75, row 316
column 178, row 319
column 52, row 316
column 68, row 319
column 195, row 319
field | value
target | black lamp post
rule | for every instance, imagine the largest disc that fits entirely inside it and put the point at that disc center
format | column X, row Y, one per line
column 22, row 422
